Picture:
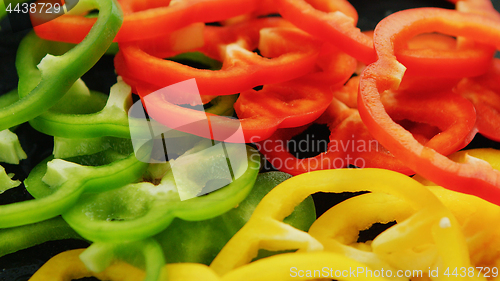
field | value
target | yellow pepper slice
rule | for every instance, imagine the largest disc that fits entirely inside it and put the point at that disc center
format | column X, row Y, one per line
column 432, row 223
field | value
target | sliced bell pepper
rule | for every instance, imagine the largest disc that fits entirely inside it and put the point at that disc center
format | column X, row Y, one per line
column 147, row 19
column 339, row 233
column 265, row 230
column 484, row 93
column 339, row 28
column 473, row 177
column 58, row 73
column 445, row 129
column 67, row 265
column 140, row 210
column 292, row 55
column 201, row 241
column 23, row 237
column 145, row 254
column 69, row 181
column 288, row 104
column 281, row 267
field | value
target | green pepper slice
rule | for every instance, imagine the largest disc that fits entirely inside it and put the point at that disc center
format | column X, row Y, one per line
column 69, row 181
column 40, row 88
column 141, row 210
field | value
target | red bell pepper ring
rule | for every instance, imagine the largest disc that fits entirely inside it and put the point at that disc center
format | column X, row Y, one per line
column 293, row 54
column 474, row 177
column 289, row 104
column 484, row 93
column 302, row 106
column 147, row 19
column 340, row 29
column 351, row 143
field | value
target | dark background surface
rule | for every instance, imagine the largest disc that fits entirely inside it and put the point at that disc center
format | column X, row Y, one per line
column 21, row 265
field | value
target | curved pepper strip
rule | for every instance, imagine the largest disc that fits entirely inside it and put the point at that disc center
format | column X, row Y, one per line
column 478, row 219
column 264, row 229
column 58, row 73
column 338, row 232
column 22, row 237
column 340, row 29
column 288, row 104
column 88, row 118
column 188, row 245
column 442, row 121
column 241, row 69
column 473, row 177
column 69, row 182
column 200, row 241
column 67, row 265
column 141, row 210
column 485, row 96
column 492, row 156
column 148, row 19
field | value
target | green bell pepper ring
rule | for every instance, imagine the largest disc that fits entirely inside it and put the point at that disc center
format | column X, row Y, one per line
column 69, row 181
column 22, row 237
column 201, row 241
column 58, row 73
column 141, row 210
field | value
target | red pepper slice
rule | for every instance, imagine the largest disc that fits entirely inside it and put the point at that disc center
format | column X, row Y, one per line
column 474, row 177
column 147, row 19
column 283, row 105
column 351, row 143
column 339, row 28
column 484, row 93
column 292, row 54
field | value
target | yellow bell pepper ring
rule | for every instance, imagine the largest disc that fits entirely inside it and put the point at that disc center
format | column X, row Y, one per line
column 265, row 230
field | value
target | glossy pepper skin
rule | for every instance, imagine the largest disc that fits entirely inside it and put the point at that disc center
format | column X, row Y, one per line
column 292, row 56
column 202, row 240
column 265, row 229
column 338, row 26
column 181, row 241
column 148, row 19
column 53, row 202
column 350, row 142
column 141, row 210
column 58, row 73
column 474, row 177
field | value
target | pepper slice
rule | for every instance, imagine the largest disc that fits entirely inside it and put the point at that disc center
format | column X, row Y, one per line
column 265, row 230
column 201, row 241
column 442, row 121
column 288, row 104
column 23, row 237
column 340, row 29
column 292, row 55
column 140, row 210
column 58, row 73
column 69, row 185
column 473, row 177
column 484, row 93
column 147, row 19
